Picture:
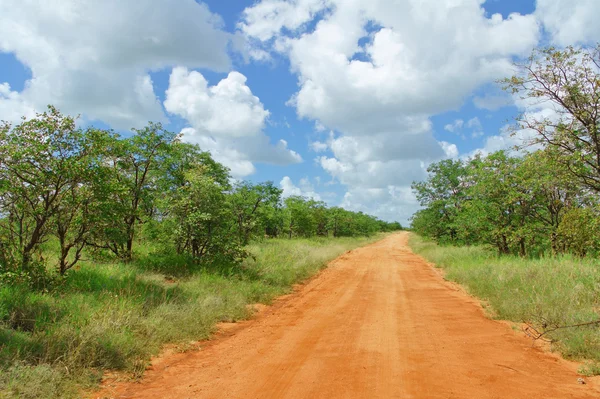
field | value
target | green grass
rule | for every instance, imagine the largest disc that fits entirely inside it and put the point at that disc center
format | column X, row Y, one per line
column 116, row 316
column 559, row 291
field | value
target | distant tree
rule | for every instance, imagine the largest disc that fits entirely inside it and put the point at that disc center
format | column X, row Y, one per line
column 200, row 217
column 252, row 207
column 299, row 218
column 443, row 194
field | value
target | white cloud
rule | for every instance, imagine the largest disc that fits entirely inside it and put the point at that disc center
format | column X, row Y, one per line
column 422, row 50
column 375, row 71
column 458, row 125
column 450, row 150
column 373, row 174
column 476, row 128
column 512, row 137
column 228, row 109
column 226, row 119
column 455, row 126
column 93, row 57
column 474, row 123
column 266, row 18
column 305, row 189
column 318, row 146
column 319, row 127
column 13, row 106
column 387, row 203
column 492, row 102
column 570, row 22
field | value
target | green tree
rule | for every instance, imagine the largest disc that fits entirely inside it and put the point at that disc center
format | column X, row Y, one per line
column 443, row 194
column 501, row 204
column 201, row 220
column 569, row 81
column 299, row 219
column 555, row 189
column 578, row 232
column 253, row 206
column 44, row 175
column 137, row 165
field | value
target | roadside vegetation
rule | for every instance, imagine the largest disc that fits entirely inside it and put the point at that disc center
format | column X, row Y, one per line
column 111, row 247
column 117, row 315
column 543, row 292
column 521, row 228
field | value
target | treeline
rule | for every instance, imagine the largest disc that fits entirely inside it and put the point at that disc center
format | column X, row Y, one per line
column 520, row 205
column 89, row 190
column 545, row 202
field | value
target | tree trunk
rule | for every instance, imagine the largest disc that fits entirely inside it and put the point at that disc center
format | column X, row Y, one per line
column 522, row 251
column 554, row 243
column 502, row 245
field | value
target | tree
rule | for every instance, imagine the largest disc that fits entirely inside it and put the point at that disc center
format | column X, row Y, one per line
column 578, row 231
column 137, row 165
column 555, row 189
column 183, row 157
column 44, row 169
column 568, row 82
column 299, row 219
column 252, row 206
column 500, row 207
column 517, row 204
column 443, row 194
column 201, row 218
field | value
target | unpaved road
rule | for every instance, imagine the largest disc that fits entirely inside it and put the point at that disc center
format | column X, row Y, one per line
column 378, row 323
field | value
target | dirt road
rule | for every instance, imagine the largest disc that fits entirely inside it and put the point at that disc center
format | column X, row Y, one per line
column 378, row 323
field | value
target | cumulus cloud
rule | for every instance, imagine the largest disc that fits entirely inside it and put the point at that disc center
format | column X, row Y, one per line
column 516, row 139
column 492, row 102
column 388, row 203
column 93, row 57
column 458, row 126
column 268, row 17
column 476, row 127
column 570, row 22
column 318, row 146
column 375, row 71
column 451, row 150
column 225, row 119
column 13, row 106
column 455, row 126
column 305, row 189
column 421, row 50
column 228, row 109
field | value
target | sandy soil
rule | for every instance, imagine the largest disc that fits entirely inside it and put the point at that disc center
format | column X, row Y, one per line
column 378, row 323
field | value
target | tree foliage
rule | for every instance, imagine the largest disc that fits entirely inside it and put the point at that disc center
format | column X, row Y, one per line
column 520, row 205
column 88, row 190
column 544, row 201
column 567, row 82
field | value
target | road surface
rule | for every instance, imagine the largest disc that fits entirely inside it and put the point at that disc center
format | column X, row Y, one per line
column 378, row 323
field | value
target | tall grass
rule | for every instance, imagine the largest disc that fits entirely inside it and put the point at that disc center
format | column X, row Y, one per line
column 559, row 291
column 116, row 316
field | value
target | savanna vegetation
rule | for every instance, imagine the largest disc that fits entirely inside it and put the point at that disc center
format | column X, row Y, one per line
column 112, row 246
column 521, row 229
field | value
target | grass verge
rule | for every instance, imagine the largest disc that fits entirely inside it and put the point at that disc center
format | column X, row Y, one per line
column 559, row 291
column 116, row 316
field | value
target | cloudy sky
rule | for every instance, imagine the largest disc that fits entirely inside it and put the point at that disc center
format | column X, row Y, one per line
column 346, row 101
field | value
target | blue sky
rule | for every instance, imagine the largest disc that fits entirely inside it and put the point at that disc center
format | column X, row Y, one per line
column 364, row 94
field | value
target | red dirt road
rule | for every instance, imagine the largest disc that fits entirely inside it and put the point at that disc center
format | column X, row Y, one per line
column 378, row 323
